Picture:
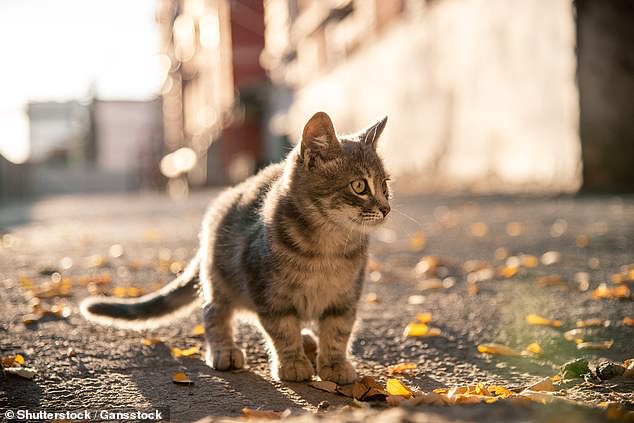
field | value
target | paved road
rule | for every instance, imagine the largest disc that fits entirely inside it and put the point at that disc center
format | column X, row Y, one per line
column 112, row 369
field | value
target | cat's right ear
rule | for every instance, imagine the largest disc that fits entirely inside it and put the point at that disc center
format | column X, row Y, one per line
column 319, row 140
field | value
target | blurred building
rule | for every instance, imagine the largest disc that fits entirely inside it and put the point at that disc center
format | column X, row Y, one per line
column 13, row 180
column 215, row 87
column 96, row 146
column 481, row 95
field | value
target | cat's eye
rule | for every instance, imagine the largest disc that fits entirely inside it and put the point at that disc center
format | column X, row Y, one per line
column 358, row 186
column 385, row 187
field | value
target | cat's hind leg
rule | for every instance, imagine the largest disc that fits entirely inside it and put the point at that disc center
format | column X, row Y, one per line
column 222, row 352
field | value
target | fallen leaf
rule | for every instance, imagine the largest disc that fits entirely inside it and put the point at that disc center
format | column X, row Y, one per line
column 508, row 271
column 23, row 372
column 400, row 368
column 628, row 321
column 372, row 298
column 539, row 397
column 500, row 391
column 151, row 341
column 265, row 414
column 534, row 348
column 589, row 323
column 497, row 349
column 198, row 330
column 431, row 398
column 430, row 284
column 529, row 261
column 538, row 320
column 11, row 360
column 395, row 387
column 346, row 390
column 177, row 352
column 416, row 329
column 424, row 317
column 603, row 291
column 181, row 378
column 324, row 385
column 546, row 384
column 574, row 334
column 604, row 345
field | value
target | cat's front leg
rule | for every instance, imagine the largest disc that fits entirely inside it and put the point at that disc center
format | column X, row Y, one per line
column 335, row 327
column 290, row 363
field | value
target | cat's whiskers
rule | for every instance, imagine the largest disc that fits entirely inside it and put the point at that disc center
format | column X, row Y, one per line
column 420, row 225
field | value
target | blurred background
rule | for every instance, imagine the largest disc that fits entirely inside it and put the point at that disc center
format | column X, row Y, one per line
column 528, row 96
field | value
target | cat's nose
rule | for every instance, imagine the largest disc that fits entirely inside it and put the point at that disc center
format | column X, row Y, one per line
column 385, row 210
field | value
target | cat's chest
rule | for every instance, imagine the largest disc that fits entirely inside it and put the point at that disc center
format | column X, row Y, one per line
column 315, row 291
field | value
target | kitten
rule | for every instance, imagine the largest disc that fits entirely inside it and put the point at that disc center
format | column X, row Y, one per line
column 288, row 244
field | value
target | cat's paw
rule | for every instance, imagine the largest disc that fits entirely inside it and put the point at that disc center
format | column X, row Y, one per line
column 297, row 370
column 231, row 358
column 341, row 372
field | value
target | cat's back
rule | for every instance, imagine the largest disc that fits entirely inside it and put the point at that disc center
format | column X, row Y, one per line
column 240, row 206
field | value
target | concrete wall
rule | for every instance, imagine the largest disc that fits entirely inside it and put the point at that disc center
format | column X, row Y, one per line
column 481, row 96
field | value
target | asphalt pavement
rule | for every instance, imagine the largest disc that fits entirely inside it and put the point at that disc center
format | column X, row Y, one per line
column 479, row 265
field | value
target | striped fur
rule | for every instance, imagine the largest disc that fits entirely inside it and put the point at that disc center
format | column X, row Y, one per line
column 288, row 245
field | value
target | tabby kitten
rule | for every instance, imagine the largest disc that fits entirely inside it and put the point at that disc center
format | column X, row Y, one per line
column 289, row 245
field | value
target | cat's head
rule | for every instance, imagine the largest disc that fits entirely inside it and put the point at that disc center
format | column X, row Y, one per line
column 342, row 176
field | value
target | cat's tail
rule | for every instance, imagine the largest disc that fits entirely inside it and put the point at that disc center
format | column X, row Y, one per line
column 149, row 311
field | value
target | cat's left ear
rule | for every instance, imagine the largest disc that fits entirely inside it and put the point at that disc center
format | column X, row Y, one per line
column 370, row 135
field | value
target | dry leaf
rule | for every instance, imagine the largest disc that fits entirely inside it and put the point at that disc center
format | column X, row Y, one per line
column 400, row 368
column 534, row 348
column 500, row 391
column 324, row 385
column 198, row 330
column 416, row 329
column 540, row 397
column 395, row 387
column 546, row 384
column 424, row 317
column 535, row 319
column 628, row 321
column 11, row 360
column 508, row 271
column 265, row 414
column 573, row 334
column 497, row 349
column 603, row 291
column 177, row 352
column 23, row 372
column 604, row 345
column 181, row 378
column 588, row 323
column 431, row 398
column 346, row 390
column 151, row 341
column 529, row 261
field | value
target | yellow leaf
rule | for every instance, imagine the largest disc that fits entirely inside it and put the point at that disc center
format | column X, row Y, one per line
column 497, row 349
column 181, row 379
column 424, row 317
column 177, row 352
column 603, row 291
column 535, row 319
column 19, row 359
column 416, row 329
column 588, row 323
column 500, row 391
column 401, row 368
column 529, row 261
column 198, row 330
column 151, row 341
column 534, row 348
column 508, row 271
column 395, row 387
column 605, row 345
column 628, row 321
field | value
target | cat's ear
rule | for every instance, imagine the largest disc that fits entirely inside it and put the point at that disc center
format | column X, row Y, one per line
column 370, row 135
column 319, row 140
